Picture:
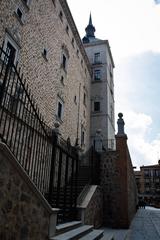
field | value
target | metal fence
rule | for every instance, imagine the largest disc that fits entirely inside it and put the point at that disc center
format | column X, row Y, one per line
column 49, row 161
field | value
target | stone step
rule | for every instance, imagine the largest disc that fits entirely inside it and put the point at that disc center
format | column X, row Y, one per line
column 109, row 236
column 61, row 228
column 74, row 234
column 94, row 235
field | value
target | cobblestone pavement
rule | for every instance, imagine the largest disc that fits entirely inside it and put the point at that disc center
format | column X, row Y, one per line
column 118, row 234
column 145, row 225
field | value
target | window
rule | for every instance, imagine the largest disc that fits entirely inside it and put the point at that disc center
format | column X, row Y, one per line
column 73, row 42
column 84, row 99
column 60, row 109
column 82, row 136
column 54, row 2
column 97, row 74
column 62, row 79
column 11, row 51
column 64, row 58
column 45, row 54
column 82, row 62
column 77, row 53
column 11, row 48
column 111, row 113
column 19, row 13
column 75, row 99
column 64, row 61
column 96, row 106
column 61, row 16
column 67, row 29
column 97, row 57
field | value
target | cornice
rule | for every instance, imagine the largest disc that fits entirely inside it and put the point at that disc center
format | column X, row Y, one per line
column 73, row 27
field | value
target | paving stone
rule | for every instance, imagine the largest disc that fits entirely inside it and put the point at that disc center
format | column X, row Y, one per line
column 145, row 225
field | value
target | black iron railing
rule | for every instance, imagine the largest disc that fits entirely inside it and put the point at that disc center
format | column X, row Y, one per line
column 49, row 161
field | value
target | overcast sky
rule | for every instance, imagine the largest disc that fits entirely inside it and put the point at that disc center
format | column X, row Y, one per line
column 133, row 30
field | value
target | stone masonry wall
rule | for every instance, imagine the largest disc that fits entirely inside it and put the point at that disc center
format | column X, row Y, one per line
column 110, row 187
column 49, row 25
column 23, row 215
column 118, row 184
column 93, row 213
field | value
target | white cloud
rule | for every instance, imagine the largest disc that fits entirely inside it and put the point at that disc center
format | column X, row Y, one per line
column 132, row 27
column 143, row 151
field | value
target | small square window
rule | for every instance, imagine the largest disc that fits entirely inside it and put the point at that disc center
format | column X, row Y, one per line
column 96, row 106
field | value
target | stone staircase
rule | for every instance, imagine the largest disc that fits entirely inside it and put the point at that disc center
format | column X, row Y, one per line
column 76, row 231
column 64, row 202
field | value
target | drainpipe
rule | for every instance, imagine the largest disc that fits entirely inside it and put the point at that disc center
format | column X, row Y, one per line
column 79, row 97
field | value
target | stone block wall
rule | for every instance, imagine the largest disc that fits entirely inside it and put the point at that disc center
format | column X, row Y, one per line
column 92, row 207
column 49, row 25
column 24, row 213
column 118, row 184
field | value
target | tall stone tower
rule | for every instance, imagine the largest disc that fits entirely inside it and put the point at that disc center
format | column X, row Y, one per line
column 102, row 87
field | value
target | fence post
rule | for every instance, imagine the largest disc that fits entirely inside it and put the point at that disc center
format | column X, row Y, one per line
column 54, row 147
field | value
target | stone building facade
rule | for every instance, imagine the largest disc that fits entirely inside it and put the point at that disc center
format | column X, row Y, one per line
column 43, row 39
column 102, row 87
column 148, row 182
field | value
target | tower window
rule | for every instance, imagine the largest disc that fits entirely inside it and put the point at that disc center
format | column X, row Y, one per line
column 97, row 57
column 97, row 74
column 96, row 106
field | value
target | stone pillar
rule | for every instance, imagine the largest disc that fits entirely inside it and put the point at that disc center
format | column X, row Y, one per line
column 121, row 166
